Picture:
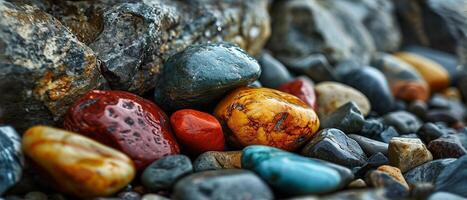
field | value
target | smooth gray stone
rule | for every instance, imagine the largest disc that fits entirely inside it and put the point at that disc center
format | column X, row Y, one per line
column 370, row 146
column 403, row 121
column 346, row 118
column 222, row 184
column 273, row 73
column 162, row 174
column 445, row 196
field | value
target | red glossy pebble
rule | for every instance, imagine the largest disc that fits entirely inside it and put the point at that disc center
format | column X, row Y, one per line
column 302, row 88
column 197, row 131
column 126, row 122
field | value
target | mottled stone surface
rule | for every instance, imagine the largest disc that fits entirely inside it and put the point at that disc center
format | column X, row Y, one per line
column 44, row 67
column 393, row 187
column 11, row 158
column 407, row 153
column 215, row 160
column 133, row 38
column 334, row 146
column 453, row 178
column 222, row 184
column 427, row 172
column 163, row 173
column 448, row 146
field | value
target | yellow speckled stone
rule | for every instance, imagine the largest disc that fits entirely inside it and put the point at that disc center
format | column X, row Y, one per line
column 434, row 74
column 267, row 117
column 79, row 166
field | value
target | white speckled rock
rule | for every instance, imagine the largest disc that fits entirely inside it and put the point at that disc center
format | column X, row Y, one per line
column 11, row 158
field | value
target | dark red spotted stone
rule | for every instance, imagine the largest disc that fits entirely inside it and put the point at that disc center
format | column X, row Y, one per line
column 197, row 131
column 124, row 121
column 302, row 88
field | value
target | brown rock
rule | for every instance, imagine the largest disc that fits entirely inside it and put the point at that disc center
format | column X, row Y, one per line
column 394, row 172
column 212, row 160
column 407, row 153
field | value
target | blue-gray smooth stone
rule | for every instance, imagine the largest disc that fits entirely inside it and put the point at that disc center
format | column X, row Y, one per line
column 11, row 158
column 453, row 178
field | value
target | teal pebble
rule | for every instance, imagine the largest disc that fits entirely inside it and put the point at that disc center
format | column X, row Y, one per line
column 290, row 173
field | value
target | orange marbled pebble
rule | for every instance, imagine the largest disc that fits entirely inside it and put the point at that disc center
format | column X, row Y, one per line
column 267, row 117
column 434, row 74
column 78, row 165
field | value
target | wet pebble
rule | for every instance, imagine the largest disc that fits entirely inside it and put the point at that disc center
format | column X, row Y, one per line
column 222, row 184
column 404, row 122
column 78, row 165
column 197, row 131
column 407, row 153
column 273, row 72
column 393, row 188
column 290, row 173
column 346, row 118
column 202, row 74
column 11, row 158
column 334, row 146
column 163, row 173
column 266, row 116
column 374, row 85
column 126, row 122
column 370, row 146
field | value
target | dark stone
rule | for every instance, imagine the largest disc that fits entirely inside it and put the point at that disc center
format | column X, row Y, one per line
column 163, row 173
column 315, row 66
column 374, row 162
column 222, row 184
column 129, row 196
column 418, row 108
column 301, row 28
column 448, row 146
column 273, row 73
column 44, row 68
column 404, row 122
column 255, row 84
column 445, row 196
column 438, row 102
column 412, row 135
column 334, row 146
column 346, row 118
column 453, row 178
column 376, row 130
column 370, row 146
column 421, row 191
column 202, row 74
column 373, row 85
column 357, row 194
column 445, row 116
column 134, row 38
column 394, row 189
column 429, row 132
column 427, row 172
column 11, row 158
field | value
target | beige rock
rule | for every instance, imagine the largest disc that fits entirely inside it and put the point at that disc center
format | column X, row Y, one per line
column 78, row 165
column 357, row 183
column 407, row 153
column 332, row 95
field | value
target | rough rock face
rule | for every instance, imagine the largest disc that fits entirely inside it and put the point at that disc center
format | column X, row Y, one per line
column 134, row 37
column 44, row 67
column 454, row 14
column 305, row 27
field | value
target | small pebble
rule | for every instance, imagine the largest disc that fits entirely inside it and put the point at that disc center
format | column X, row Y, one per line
column 163, row 173
column 214, row 160
column 407, row 153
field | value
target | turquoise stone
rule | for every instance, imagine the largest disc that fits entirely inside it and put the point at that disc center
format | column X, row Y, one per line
column 290, row 173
